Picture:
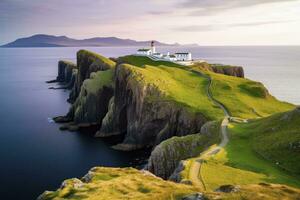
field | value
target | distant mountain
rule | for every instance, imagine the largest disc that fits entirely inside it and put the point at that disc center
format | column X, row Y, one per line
column 41, row 40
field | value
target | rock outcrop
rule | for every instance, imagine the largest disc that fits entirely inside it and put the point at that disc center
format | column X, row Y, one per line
column 87, row 63
column 228, row 70
column 166, row 156
column 92, row 103
column 142, row 112
column 67, row 72
column 222, row 69
column 91, row 93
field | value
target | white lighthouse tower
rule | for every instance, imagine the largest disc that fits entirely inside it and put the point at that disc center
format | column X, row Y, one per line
column 153, row 50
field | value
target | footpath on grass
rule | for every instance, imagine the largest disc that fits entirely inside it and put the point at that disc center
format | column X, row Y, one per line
column 195, row 168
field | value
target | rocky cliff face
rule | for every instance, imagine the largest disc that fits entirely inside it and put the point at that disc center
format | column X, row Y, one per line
column 87, row 63
column 166, row 156
column 222, row 69
column 67, row 72
column 228, row 70
column 95, row 80
column 142, row 113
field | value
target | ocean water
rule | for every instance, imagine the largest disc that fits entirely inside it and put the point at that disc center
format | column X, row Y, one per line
column 35, row 155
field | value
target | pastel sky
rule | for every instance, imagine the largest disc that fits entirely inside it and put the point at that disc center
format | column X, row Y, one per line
column 206, row 22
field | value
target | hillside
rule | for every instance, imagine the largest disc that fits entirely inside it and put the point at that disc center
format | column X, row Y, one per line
column 178, row 110
column 114, row 183
column 41, row 40
column 261, row 151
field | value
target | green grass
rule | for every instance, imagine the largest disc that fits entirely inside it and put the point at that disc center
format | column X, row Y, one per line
column 99, row 79
column 94, row 57
column 241, row 163
column 245, row 98
column 143, row 60
column 276, row 138
column 178, row 85
column 127, row 183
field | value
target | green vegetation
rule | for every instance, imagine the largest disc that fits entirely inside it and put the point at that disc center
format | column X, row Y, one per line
column 98, row 80
column 91, row 57
column 214, row 138
column 245, row 98
column 259, row 192
column 143, row 60
column 177, row 85
column 276, row 138
column 257, row 152
column 116, row 183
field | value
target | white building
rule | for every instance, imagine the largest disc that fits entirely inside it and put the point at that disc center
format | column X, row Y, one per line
column 156, row 55
column 146, row 52
column 183, row 56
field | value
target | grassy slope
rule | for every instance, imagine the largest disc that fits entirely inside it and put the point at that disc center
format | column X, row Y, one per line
column 275, row 138
column 178, row 85
column 241, row 161
column 126, row 183
column 96, row 58
column 97, row 80
column 245, row 98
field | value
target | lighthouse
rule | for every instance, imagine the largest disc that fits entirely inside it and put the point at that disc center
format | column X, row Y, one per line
column 153, row 50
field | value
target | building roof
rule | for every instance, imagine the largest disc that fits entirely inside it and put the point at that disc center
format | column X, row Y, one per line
column 186, row 53
column 144, row 50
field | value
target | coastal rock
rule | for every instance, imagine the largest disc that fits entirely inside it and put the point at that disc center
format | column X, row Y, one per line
column 222, row 69
column 229, row 70
column 87, row 63
column 67, row 71
column 141, row 113
column 92, row 103
column 166, row 157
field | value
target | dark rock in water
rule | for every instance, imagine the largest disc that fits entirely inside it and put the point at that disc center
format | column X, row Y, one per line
column 62, row 119
column 139, row 112
column 67, row 72
column 228, row 189
column 52, row 81
column 196, row 196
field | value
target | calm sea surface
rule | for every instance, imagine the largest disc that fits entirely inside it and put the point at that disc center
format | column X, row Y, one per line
column 35, row 155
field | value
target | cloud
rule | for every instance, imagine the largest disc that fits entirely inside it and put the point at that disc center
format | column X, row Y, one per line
column 210, row 7
column 220, row 27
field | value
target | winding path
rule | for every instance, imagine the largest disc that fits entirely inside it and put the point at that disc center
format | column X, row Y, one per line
column 195, row 169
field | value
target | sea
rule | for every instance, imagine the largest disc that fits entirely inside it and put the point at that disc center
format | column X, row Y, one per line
column 36, row 156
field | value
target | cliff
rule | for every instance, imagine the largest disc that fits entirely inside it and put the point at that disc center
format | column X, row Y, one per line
column 166, row 156
column 228, row 70
column 146, row 110
column 222, row 69
column 87, row 63
column 67, row 72
column 95, row 82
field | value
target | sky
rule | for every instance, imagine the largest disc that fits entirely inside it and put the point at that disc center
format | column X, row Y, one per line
column 205, row 22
